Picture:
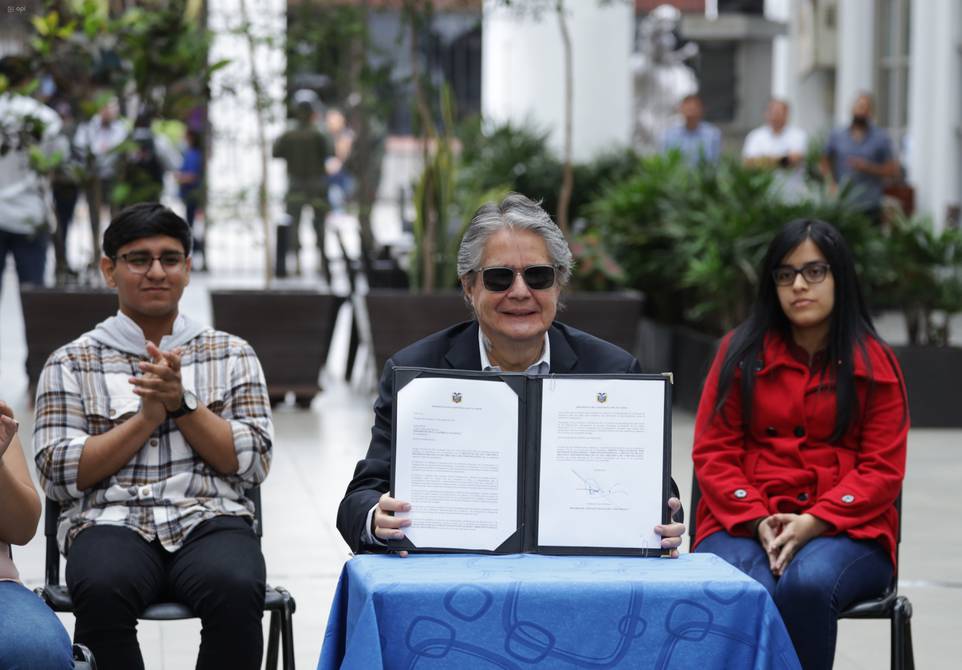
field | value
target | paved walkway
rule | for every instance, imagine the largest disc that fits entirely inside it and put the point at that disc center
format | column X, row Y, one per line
column 315, row 453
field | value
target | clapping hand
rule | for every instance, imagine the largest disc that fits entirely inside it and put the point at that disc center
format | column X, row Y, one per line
column 160, row 385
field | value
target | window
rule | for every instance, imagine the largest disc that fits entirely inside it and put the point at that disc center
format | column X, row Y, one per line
column 893, row 67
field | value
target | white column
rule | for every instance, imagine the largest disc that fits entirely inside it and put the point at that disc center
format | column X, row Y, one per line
column 782, row 80
column 935, row 106
column 856, row 54
column 234, row 172
column 522, row 72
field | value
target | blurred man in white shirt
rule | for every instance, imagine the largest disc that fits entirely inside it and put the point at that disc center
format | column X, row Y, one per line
column 780, row 147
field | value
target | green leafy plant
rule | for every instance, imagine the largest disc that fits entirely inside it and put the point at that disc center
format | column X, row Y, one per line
column 692, row 239
column 924, row 277
column 595, row 268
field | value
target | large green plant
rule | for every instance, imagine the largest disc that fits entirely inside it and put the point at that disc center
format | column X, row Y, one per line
column 924, row 277
column 444, row 201
column 693, row 239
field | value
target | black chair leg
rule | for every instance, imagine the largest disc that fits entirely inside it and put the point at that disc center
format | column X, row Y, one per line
column 83, row 658
column 272, row 639
column 287, row 631
column 902, row 654
column 352, row 347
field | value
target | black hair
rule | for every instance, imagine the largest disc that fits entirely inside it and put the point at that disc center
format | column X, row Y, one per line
column 145, row 219
column 850, row 322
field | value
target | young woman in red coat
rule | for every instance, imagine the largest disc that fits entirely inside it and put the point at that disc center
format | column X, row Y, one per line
column 800, row 441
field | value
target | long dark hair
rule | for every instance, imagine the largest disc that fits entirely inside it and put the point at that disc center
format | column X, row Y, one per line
column 850, row 322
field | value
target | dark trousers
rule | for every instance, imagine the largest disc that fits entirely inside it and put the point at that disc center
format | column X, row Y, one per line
column 113, row 574
column 29, row 255
column 64, row 203
column 295, row 202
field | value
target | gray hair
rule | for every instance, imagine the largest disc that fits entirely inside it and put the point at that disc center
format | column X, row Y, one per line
column 515, row 212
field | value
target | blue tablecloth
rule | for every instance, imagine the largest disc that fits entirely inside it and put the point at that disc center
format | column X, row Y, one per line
column 530, row 611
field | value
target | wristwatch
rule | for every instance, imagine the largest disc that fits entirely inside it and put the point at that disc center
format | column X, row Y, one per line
column 188, row 404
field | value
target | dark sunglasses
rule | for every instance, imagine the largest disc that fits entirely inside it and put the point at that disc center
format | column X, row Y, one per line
column 537, row 277
column 813, row 273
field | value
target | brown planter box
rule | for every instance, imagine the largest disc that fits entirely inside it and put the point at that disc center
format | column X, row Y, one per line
column 290, row 330
column 52, row 317
column 931, row 380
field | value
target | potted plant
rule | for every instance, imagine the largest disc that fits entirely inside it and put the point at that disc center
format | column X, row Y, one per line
column 925, row 278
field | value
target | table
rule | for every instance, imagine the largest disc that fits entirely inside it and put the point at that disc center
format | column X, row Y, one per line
column 528, row 611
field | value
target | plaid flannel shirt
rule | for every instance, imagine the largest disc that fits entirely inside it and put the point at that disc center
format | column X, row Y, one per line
column 166, row 489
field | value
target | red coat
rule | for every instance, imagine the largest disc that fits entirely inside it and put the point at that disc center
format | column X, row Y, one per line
column 785, row 462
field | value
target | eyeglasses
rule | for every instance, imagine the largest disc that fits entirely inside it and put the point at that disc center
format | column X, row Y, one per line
column 813, row 273
column 140, row 263
column 537, row 277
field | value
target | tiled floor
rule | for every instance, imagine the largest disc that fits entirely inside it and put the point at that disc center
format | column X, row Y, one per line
column 314, row 457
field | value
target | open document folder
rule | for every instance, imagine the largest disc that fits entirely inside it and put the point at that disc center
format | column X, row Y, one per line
column 505, row 463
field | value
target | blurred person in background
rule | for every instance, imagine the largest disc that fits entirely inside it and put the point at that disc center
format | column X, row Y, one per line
column 697, row 140
column 860, row 154
column 779, row 147
column 97, row 142
column 65, row 188
column 25, row 124
column 190, row 180
column 141, row 169
column 340, row 180
column 305, row 149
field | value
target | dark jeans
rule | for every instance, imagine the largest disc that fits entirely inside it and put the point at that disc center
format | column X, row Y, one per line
column 113, row 574
column 29, row 254
column 65, row 197
column 827, row 575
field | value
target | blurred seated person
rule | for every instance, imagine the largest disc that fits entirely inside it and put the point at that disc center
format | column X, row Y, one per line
column 513, row 263
column 800, row 441
column 780, row 147
column 340, row 181
column 861, row 155
column 31, row 635
column 697, row 140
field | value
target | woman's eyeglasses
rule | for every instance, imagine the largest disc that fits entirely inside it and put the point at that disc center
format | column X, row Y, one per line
column 813, row 273
column 140, row 263
column 537, row 277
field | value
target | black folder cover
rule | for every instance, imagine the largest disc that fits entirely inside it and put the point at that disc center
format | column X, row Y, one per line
column 528, row 389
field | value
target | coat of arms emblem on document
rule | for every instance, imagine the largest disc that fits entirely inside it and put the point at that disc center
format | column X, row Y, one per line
column 455, row 397
column 602, row 397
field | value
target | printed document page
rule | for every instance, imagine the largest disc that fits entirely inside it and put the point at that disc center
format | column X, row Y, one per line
column 456, row 461
column 602, row 453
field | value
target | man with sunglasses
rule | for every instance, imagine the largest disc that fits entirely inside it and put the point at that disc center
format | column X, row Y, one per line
column 513, row 263
column 148, row 430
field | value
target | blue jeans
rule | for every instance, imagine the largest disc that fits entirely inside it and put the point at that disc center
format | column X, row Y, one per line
column 31, row 635
column 827, row 575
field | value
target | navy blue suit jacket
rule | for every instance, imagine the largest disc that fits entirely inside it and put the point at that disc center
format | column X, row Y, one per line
column 455, row 348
